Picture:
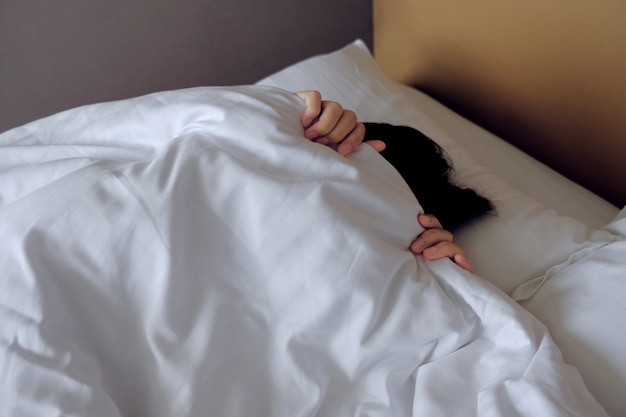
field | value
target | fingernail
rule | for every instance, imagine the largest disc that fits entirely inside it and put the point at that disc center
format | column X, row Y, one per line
column 310, row 134
column 430, row 251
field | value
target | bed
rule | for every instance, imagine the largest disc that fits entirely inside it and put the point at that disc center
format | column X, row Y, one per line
column 172, row 245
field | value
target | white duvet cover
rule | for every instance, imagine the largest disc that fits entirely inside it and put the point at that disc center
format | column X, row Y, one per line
column 189, row 254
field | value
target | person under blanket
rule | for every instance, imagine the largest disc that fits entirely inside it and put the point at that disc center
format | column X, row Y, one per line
column 328, row 123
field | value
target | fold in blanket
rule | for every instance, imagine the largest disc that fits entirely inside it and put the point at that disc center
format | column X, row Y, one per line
column 190, row 253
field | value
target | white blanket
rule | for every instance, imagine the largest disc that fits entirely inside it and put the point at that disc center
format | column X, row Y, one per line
column 188, row 254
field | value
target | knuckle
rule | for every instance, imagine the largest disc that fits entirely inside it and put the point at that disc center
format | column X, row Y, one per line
column 354, row 137
column 335, row 136
column 453, row 249
column 434, row 221
column 331, row 105
column 358, row 133
column 350, row 115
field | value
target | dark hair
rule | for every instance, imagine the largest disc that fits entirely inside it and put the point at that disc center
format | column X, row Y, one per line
column 427, row 170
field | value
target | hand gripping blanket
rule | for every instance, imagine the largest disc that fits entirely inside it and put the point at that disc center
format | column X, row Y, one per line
column 189, row 253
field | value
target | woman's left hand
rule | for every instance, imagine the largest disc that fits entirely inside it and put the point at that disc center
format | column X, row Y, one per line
column 436, row 243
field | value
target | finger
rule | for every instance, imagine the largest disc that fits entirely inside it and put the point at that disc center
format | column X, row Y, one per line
column 346, row 123
column 378, row 145
column 429, row 221
column 442, row 250
column 461, row 261
column 353, row 140
column 331, row 113
column 448, row 250
column 313, row 101
column 430, row 237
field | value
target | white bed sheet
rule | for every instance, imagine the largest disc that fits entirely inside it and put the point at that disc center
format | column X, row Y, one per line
column 190, row 253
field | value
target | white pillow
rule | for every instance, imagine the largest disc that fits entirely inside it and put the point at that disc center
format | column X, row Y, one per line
column 522, row 242
column 582, row 303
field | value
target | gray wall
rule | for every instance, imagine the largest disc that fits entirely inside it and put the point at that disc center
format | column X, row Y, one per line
column 60, row 54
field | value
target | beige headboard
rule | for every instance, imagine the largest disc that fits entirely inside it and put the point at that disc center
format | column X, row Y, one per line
column 547, row 75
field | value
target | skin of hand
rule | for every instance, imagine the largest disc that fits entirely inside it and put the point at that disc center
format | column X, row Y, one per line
column 436, row 243
column 328, row 123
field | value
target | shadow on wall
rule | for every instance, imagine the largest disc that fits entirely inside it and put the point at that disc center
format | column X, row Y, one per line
column 549, row 76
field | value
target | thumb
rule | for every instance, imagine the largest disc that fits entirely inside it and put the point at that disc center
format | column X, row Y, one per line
column 313, row 101
column 378, row 145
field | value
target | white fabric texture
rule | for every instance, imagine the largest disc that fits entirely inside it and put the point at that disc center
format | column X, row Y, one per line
column 189, row 253
column 583, row 303
column 529, row 235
